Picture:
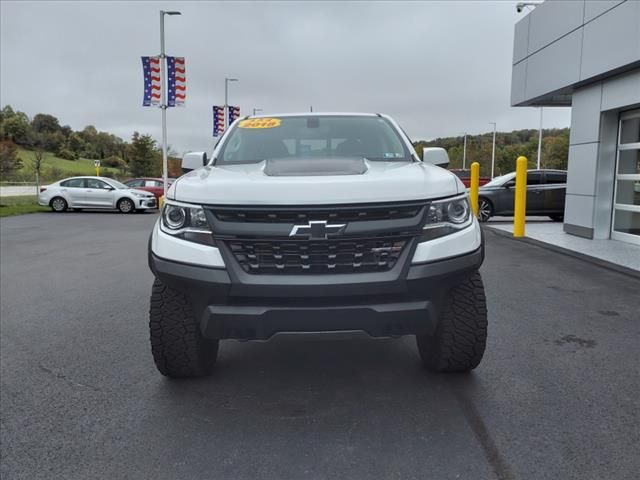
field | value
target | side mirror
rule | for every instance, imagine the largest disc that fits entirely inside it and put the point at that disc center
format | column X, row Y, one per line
column 436, row 156
column 193, row 160
column 510, row 184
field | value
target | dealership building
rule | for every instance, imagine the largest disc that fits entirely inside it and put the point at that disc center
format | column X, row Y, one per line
column 586, row 54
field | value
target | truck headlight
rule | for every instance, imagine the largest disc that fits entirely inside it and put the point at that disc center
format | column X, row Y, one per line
column 447, row 216
column 186, row 222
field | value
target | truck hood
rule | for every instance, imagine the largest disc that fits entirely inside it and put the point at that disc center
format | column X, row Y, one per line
column 255, row 184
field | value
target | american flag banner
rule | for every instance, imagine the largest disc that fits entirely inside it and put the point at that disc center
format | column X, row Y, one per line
column 152, row 84
column 176, row 82
column 218, row 121
column 234, row 112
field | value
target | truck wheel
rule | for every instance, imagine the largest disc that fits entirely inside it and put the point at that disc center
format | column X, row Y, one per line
column 176, row 342
column 459, row 340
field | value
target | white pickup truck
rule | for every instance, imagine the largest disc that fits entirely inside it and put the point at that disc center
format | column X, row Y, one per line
column 316, row 222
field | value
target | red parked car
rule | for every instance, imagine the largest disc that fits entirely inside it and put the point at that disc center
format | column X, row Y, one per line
column 465, row 176
column 152, row 185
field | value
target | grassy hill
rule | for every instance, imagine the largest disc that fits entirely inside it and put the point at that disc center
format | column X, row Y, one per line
column 54, row 168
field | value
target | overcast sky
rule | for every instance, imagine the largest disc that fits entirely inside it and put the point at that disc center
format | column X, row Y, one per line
column 439, row 68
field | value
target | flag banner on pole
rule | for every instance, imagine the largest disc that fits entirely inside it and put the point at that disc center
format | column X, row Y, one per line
column 176, row 82
column 152, row 84
column 218, row 121
column 234, row 112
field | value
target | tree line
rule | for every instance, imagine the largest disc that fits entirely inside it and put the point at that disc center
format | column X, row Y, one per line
column 139, row 157
column 509, row 146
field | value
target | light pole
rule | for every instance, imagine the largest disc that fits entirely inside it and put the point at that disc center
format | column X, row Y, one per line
column 464, row 151
column 163, row 101
column 493, row 149
column 540, row 140
column 226, row 100
column 256, row 110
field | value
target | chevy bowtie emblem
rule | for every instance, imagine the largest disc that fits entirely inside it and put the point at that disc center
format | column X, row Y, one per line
column 316, row 230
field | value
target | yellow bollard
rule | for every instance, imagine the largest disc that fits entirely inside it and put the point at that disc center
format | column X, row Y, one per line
column 161, row 202
column 520, row 202
column 475, row 184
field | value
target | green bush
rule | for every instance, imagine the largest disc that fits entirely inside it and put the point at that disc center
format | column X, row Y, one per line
column 114, row 162
column 67, row 154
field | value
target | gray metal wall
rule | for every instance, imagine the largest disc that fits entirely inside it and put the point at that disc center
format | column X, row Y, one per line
column 563, row 44
column 592, row 152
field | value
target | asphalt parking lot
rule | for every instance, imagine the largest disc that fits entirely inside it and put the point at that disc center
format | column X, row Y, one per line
column 557, row 396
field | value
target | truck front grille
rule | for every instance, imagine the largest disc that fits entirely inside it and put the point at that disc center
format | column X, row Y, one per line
column 290, row 257
column 332, row 215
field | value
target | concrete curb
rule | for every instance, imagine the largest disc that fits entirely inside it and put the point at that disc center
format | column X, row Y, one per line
column 570, row 253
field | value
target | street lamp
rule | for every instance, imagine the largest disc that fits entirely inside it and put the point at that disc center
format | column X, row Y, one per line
column 520, row 6
column 540, row 140
column 163, row 95
column 464, row 151
column 226, row 100
column 493, row 149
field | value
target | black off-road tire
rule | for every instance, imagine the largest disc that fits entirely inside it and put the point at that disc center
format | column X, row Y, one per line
column 460, row 338
column 178, row 349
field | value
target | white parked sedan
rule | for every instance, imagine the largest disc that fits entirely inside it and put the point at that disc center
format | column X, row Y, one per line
column 94, row 193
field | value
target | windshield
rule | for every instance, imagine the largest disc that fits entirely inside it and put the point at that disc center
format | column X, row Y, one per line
column 498, row 181
column 257, row 139
column 117, row 184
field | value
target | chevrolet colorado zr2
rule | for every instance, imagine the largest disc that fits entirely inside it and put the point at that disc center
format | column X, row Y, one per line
column 316, row 223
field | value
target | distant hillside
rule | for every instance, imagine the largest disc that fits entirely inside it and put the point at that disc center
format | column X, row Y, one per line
column 509, row 146
column 42, row 145
column 55, row 167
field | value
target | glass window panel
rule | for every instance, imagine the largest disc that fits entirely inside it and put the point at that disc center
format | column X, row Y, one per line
column 629, row 162
column 556, row 177
column 95, row 183
column 627, row 222
column 628, row 192
column 630, row 132
column 73, row 183
column 533, row 178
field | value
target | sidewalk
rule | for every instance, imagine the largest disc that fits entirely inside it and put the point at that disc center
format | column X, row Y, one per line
column 620, row 254
column 12, row 191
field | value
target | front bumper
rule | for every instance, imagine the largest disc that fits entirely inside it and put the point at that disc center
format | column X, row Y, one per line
column 145, row 203
column 232, row 305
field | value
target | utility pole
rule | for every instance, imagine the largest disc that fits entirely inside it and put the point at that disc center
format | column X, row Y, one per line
column 464, row 151
column 540, row 140
column 493, row 150
column 163, row 101
column 226, row 101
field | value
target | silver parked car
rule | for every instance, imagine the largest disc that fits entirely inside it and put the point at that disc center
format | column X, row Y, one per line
column 94, row 193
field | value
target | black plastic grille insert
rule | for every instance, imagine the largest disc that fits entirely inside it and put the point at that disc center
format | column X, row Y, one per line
column 377, row 254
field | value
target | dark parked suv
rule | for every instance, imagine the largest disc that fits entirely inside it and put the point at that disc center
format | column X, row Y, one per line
column 545, row 195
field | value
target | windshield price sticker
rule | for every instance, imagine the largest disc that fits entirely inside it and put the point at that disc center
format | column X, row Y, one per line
column 260, row 123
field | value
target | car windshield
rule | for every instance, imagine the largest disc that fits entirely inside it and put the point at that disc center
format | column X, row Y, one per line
column 498, row 181
column 117, row 184
column 256, row 139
